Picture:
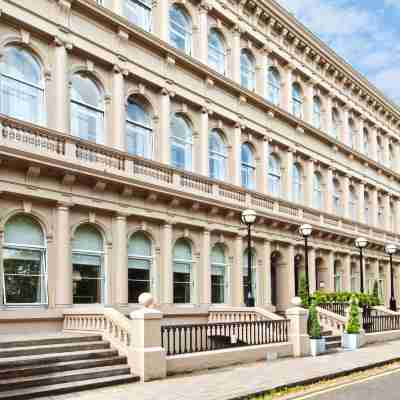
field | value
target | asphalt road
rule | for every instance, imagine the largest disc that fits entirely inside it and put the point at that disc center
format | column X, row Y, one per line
column 381, row 387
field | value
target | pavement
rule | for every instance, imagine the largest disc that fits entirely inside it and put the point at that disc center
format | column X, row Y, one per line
column 238, row 382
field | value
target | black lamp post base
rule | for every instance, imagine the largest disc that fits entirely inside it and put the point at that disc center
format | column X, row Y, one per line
column 393, row 305
column 250, row 302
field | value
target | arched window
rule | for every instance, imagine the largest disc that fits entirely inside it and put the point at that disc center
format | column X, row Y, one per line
column 216, row 51
column 180, row 29
column 352, row 204
column 139, row 13
column 139, row 133
column 24, row 262
column 352, row 139
column 336, row 124
column 379, row 149
column 181, row 142
column 318, row 191
column 87, row 265
column 139, row 266
column 21, row 85
column 87, row 109
column 274, row 175
column 219, row 281
column 274, row 86
column 297, row 100
column 337, row 199
column 381, row 212
column 367, row 208
column 297, row 182
column 247, row 70
column 366, row 141
column 317, row 112
column 217, row 155
column 248, row 167
column 183, row 272
column 246, row 274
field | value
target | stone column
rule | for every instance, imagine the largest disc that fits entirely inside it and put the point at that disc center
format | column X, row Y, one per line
column 267, row 278
column 361, row 202
column 309, row 102
column 397, row 215
column 291, row 273
column 346, row 196
column 346, row 127
column 117, row 7
column 298, row 334
column 64, row 263
column 203, row 32
column 386, row 211
column 374, row 207
column 164, row 127
column 287, row 89
column 288, row 175
column 120, row 261
column 118, row 110
column 309, row 183
column 205, row 269
column 386, row 149
column 312, row 271
column 330, row 261
column 203, row 148
column 329, row 191
column 166, row 264
column 61, row 95
column 373, row 143
column 236, row 156
column 261, row 73
column 360, row 136
column 237, row 273
column 236, row 50
column 262, row 173
column 328, row 114
column 347, row 273
column 161, row 15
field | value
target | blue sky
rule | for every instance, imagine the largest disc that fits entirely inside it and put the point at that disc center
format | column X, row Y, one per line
column 363, row 32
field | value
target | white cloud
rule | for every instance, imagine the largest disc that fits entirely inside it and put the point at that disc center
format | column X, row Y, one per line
column 359, row 34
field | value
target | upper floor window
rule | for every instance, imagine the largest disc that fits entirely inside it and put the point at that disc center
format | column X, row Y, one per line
column 274, row 86
column 352, row 135
column 337, row 206
column 247, row 70
column 391, row 156
column 297, row 100
column 352, row 204
column 274, row 175
column 318, row 200
column 381, row 212
column 379, row 149
column 248, row 167
column 139, row 133
column 181, row 142
column 317, row 112
column 217, row 155
column 87, row 109
column 139, row 13
column 21, row 86
column 367, row 208
column 365, row 141
column 216, row 51
column 297, row 182
column 180, row 29
column 336, row 124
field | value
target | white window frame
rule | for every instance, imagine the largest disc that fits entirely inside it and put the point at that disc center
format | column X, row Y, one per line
column 297, row 101
column 297, row 184
column 248, row 72
column 248, row 170
column 274, row 177
column 274, row 88
column 218, row 157
column 188, row 31
column 220, row 67
column 185, row 144
column 144, row 5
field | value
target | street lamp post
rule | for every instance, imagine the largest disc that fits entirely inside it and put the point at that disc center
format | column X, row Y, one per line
column 306, row 231
column 391, row 249
column 361, row 243
column 248, row 218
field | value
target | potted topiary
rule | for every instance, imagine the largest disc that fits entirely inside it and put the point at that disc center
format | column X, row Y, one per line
column 351, row 339
column 317, row 341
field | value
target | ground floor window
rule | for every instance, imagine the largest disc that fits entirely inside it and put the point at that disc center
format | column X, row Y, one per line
column 182, row 272
column 218, row 275
column 87, row 266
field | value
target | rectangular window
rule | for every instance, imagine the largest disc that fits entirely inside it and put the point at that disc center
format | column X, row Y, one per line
column 182, row 283
column 87, row 123
column 139, row 141
column 139, row 13
column 138, row 279
column 217, row 284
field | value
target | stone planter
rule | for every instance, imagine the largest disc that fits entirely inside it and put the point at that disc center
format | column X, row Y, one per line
column 318, row 346
column 351, row 341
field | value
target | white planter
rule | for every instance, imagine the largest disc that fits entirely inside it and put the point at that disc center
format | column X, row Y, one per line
column 318, row 346
column 351, row 341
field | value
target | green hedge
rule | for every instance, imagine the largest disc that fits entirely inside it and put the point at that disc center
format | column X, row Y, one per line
column 345, row 297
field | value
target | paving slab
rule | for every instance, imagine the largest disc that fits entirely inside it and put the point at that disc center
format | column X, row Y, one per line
column 238, row 381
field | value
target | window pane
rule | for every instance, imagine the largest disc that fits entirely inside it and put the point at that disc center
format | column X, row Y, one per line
column 180, row 30
column 87, row 123
column 182, row 285
column 87, row 238
column 138, row 282
column 217, row 285
column 87, row 279
column 23, row 230
column 139, row 12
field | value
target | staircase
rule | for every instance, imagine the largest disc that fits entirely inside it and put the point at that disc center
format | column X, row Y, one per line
column 46, row 366
column 332, row 341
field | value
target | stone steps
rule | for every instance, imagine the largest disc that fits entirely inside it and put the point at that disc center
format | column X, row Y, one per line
column 56, row 365
column 333, row 342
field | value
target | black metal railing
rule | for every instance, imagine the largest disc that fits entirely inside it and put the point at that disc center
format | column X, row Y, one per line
column 380, row 323
column 193, row 338
column 337, row 308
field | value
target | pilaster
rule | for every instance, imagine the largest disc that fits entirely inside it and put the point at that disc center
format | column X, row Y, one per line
column 237, row 273
column 166, row 264
column 164, row 127
column 205, row 268
column 120, row 261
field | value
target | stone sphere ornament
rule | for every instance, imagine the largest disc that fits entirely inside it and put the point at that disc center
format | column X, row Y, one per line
column 146, row 299
column 296, row 301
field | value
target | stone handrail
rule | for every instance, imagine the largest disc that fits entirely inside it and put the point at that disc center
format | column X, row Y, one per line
column 113, row 325
column 18, row 137
column 240, row 314
column 331, row 321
